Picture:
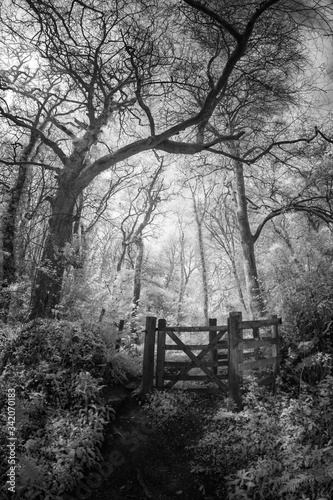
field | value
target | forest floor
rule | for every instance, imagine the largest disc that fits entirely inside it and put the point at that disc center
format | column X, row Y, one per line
column 152, row 461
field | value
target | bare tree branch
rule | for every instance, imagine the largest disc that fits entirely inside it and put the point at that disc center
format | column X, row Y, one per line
column 314, row 210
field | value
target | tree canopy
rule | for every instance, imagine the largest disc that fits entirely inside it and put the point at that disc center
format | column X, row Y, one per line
column 89, row 89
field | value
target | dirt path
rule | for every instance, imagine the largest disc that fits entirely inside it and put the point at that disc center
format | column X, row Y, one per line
column 146, row 461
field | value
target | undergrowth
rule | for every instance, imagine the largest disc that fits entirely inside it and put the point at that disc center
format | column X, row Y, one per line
column 58, row 370
column 276, row 448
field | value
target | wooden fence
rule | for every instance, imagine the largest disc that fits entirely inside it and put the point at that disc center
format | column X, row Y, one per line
column 228, row 354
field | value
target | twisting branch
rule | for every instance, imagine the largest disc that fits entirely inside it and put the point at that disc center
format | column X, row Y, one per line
column 315, row 210
column 264, row 152
column 138, row 90
column 25, row 124
column 274, row 144
column 215, row 17
column 63, row 128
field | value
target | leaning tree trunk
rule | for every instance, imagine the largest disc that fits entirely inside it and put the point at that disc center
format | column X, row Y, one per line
column 56, row 255
column 255, row 298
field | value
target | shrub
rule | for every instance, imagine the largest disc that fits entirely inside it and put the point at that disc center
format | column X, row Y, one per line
column 122, row 367
column 58, row 370
column 276, row 448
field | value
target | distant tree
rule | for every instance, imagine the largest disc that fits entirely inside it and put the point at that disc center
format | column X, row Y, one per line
column 221, row 223
column 186, row 263
column 200, row 199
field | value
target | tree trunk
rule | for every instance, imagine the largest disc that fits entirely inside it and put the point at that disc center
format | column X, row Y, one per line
column 256, row 302
column 8, row 234
column 137, row 287
column 198, row 220
column 181, row 290
column 238, row 283
column 56, row 255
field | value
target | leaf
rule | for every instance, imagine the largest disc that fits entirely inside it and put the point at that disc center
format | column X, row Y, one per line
column 79, row 452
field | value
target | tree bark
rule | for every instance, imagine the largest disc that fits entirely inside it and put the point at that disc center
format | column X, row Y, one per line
column 48, row 281
column 205, row 299
column 256, row 302
column 238, row 283
column 137, row 287
column 181, row 290
column 9, row 231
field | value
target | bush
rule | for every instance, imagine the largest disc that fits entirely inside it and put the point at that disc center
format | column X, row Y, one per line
column 122, row 367
column 57, row 369
column 276, row 448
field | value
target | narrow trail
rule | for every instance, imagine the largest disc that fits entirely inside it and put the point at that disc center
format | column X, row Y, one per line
column 146, row 461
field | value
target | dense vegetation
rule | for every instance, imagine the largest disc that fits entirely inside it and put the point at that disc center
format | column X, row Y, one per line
column 279, row 446
column 276, row 448
column 58, row 370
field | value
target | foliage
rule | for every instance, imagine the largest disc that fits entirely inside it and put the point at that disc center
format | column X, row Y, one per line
column 123, row 367
column 310, row 309
column 299, row 278
column 276, row 448
column 164, row 405
column 58, row 370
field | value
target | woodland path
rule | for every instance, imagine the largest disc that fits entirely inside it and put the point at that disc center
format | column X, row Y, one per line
column 152, row 461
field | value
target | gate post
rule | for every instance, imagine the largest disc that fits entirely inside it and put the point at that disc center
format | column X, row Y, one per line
column 160, row 357
column 213, row 350
column 235, row 356
column 148, row 356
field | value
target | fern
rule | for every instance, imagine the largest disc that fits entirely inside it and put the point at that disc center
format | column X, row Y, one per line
column 295, row 483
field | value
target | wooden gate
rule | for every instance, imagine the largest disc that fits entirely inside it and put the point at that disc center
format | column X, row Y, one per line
column 222, row 361
column 208, row 366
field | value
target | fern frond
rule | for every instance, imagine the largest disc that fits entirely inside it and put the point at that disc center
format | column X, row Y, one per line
column 293, row 484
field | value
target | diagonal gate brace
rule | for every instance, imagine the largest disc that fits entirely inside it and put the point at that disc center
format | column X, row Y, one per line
column 196, row 360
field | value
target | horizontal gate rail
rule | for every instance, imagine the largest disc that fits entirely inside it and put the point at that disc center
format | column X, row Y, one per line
column 192, row 377
column 183, row 329
column 249, row 325
column 196, row 347
column 187, row 364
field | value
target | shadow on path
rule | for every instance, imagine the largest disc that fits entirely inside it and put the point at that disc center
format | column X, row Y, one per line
column 143, row 460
